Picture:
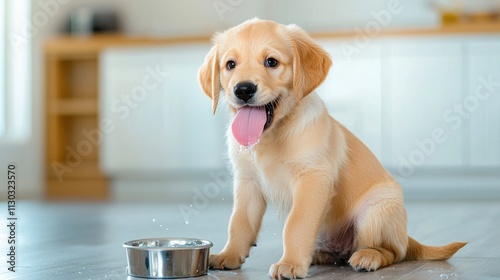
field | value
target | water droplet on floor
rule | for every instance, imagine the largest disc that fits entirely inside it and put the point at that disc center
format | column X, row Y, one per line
column 161, row 225
column 154, row 220
column 443, row 276
column 166, row 228
column 187, row 222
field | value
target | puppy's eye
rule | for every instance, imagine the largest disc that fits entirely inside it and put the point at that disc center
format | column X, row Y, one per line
column 271, row 62
column 230, row 65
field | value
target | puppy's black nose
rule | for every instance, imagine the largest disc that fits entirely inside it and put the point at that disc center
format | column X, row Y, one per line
column 245, row 90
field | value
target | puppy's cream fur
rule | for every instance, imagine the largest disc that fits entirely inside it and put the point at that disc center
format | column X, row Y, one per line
column 339, row 200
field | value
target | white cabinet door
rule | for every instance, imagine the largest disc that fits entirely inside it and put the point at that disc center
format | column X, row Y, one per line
column 161, row 120
column 352, row 92
column 482, row 102
column 422, row 79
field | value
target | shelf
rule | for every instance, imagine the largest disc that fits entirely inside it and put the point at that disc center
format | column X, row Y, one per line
column 81, row 189
column 77, row 106
column 72, row 109
column 86, row 169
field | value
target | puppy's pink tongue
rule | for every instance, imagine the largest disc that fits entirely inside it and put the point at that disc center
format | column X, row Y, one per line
column 248, row 124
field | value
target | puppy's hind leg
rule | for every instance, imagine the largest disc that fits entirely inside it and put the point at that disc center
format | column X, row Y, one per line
column 381, row 237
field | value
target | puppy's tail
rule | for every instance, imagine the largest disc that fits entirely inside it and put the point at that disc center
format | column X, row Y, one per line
column 419, row 252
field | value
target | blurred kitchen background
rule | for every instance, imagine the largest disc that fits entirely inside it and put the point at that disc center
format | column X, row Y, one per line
column 99, row 100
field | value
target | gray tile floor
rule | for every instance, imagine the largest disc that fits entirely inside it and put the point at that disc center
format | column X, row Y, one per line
column 84, row 241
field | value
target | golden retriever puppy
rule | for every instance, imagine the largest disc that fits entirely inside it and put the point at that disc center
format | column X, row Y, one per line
column 339, row 202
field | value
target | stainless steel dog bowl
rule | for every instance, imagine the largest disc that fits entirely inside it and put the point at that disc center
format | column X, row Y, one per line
column 167, row 257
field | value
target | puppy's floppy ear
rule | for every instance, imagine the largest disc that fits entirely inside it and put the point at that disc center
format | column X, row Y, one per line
column 311, row 62
column 208, row 77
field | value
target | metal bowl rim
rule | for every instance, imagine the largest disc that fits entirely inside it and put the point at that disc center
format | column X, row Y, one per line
column 128, row 244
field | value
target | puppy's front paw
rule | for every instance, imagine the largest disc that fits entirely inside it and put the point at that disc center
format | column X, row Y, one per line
column 284, row 270
column 226, row 260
